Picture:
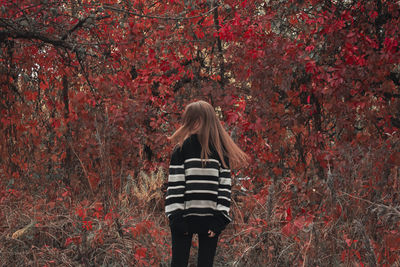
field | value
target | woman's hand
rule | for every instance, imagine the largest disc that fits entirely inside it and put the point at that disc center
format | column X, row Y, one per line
column 211, row 233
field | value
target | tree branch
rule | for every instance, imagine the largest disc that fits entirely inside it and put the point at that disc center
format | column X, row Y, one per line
column 158, row 17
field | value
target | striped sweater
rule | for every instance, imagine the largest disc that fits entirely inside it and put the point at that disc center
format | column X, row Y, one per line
column 199, row 195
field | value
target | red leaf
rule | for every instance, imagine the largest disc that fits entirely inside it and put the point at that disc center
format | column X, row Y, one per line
column 199, row 33
column 311, row 67
column 44, row 85
column 310, row 48
column 31, row 96
column 56, row 123
column 373, row 14
column 288, row 214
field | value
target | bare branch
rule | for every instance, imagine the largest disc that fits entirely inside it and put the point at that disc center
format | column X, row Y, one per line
column 159, row 17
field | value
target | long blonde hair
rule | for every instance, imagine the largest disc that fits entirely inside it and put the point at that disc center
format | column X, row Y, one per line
column 210, row 132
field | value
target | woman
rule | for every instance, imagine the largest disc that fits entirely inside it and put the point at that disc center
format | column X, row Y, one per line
column 199, row 183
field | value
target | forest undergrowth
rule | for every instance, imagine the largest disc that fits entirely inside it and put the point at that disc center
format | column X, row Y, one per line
column 62, row 230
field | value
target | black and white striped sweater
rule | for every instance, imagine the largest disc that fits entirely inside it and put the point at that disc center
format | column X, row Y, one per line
column 201, row 196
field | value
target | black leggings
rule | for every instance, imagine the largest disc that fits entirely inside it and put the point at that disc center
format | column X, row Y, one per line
column 181, row 249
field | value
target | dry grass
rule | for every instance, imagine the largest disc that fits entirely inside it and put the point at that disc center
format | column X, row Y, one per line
column 40, row 232
column 36, row 231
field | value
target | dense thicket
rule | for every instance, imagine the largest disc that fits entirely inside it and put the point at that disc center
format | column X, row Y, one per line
column 91, row 89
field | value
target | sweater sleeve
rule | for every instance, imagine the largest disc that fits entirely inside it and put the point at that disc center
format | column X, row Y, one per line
column 174, row 201
column 221, row 216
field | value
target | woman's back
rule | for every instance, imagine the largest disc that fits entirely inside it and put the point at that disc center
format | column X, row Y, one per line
column 199, row 183
column 198, row 192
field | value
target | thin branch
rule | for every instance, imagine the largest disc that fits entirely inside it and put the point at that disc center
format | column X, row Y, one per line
column 83, row 166
column 85, row 74
column 80, row 24
column 396, row 211
column 158, row 17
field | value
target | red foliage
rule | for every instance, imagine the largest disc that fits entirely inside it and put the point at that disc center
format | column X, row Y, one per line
column 310, row 89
